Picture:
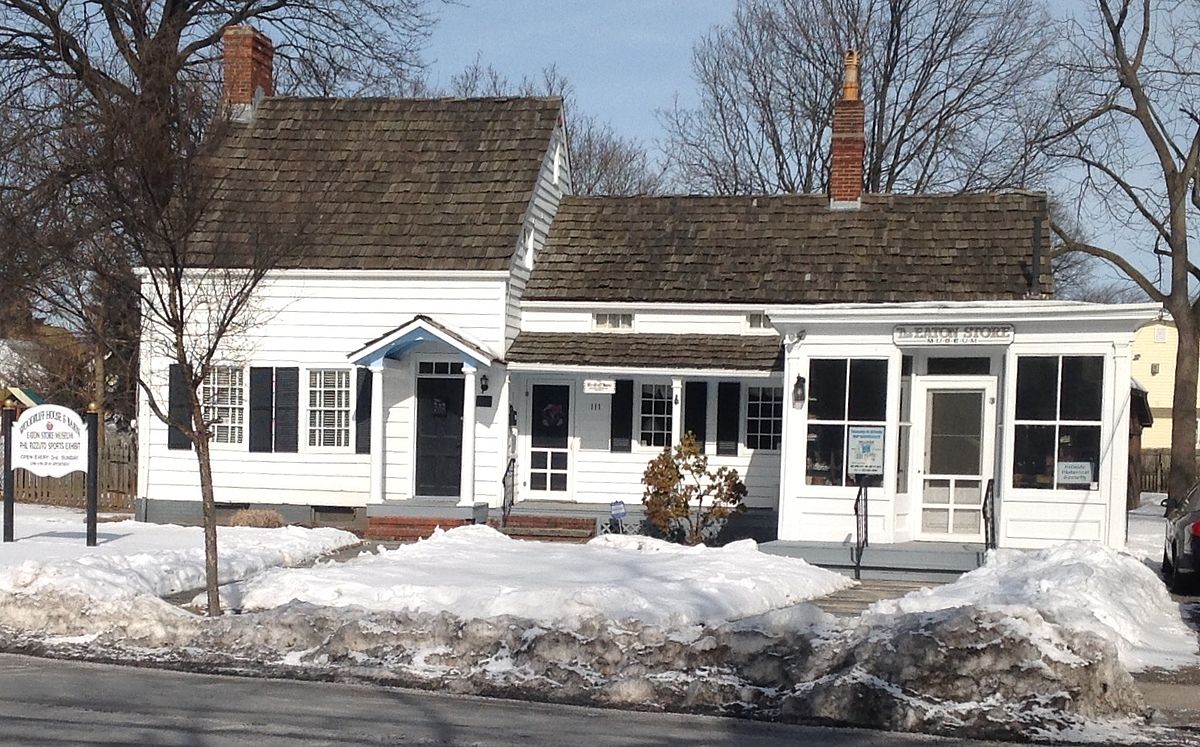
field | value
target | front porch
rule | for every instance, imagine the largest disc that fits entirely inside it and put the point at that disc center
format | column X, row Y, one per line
column 907, row 561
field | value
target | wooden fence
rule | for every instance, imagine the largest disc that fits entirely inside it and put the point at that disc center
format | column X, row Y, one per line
column 118, row 480
column 1156, row 467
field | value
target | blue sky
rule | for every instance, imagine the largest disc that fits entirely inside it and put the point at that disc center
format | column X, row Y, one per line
column 626, row 58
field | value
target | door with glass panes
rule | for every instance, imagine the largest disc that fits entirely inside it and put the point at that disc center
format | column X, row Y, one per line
column 959, row 455
column 549, row 441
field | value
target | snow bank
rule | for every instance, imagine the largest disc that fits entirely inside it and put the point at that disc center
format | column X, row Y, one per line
column 1079, row 586
column 135, row 558
column 477, row 572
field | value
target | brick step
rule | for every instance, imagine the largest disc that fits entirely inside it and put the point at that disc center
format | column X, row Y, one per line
column 555, row 539
column 551, row 522
column 547, row 533
column 407, row 521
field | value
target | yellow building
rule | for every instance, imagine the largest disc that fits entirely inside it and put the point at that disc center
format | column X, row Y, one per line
column 1154, row 368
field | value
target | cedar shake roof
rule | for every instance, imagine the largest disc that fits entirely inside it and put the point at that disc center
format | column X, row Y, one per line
column 379, row 184
column 791, row 249
column 616, row 349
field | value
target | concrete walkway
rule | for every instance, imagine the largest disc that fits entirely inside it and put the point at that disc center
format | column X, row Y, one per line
column 851, row 602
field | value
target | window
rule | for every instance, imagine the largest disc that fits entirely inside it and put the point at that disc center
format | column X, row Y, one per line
column 223, row 395
column 621, row 417
column 1057, row 428
column 439, row 368
column 764, row 417
column 758, row 321
column 902, row 447
column 329, row 407
column 613, row 321
column 959, row 366
column 842, row 393
column 656, row 426
column 557, row 162
column 528, row 248
column 1160, row 334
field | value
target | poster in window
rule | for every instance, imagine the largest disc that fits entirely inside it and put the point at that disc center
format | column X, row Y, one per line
column 1075, row 473
column 865, row 453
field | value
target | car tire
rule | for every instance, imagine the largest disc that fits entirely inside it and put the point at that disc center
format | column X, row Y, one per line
column 1179, row 583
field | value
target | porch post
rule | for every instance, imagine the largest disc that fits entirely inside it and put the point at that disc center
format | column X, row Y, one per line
column 377, row 420
column 676, row 411
column 466, row 490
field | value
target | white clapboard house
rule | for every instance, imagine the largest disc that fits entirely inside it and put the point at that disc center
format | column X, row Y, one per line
column 456, row 329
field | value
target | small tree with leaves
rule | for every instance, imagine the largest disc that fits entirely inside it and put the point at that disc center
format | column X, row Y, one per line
column 686, row 500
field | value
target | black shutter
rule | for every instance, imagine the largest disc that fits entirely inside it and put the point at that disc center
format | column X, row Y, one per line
column 695, row 411
column 621, row 417
column 262, row 408
column 362, row 412
column 287, row 409
column 729, row 415
column 179, row 409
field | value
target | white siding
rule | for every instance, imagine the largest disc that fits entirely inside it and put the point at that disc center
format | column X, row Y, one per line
column 314, row 320
column 599, row 475
column 547, row 195
column 696, row 319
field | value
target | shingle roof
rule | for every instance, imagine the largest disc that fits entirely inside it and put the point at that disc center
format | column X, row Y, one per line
column 791, row 249
column 360, row 183
column 722, row 352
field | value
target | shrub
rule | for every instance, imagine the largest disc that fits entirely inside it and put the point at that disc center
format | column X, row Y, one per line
column 263, row 518
column 684, row 499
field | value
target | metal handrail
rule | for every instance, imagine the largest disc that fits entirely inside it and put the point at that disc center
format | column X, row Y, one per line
column 989, row 516
column 508, row 482
column 861, row 539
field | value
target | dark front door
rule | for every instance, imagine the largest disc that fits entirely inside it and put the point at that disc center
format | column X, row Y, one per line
column 550, row 430
column 439, row 436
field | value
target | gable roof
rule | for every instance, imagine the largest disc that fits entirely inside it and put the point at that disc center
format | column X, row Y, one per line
column 380, row 184
column 791, row 249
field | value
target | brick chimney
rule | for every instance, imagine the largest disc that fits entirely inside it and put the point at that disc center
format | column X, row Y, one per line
column 848, row 143
column 249, row 60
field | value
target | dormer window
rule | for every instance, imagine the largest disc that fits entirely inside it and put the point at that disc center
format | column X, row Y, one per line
column 612, row 321
column 758, row 320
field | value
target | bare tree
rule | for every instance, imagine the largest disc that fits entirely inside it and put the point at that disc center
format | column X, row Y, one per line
column 951, row 89
column 114, row 107
column 1129, row 102
column 603, row 162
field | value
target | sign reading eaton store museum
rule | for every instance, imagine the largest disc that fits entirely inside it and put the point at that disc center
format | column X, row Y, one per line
column 953, row 334
column 48, row 440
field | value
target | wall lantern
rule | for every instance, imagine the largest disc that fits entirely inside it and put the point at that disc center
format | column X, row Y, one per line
column 799, row 392
column 483, row 383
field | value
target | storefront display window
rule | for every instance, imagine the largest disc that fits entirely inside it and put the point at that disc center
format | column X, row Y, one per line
column 842, row 393
column 1057, row 430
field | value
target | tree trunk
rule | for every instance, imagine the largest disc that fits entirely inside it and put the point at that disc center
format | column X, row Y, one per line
column 1183, row 416
column 208, row 503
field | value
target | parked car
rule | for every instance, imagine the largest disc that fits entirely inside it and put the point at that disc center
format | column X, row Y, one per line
column 1181, row 548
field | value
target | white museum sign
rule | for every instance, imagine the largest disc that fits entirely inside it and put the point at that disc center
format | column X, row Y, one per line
column 49, row 441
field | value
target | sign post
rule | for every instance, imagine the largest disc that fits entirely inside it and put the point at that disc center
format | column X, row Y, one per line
column 10, row 489
column 93, row 473
column 48, row 441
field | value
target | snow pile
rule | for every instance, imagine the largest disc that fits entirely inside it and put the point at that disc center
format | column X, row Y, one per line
column 134, row 558
column 1078, row 586
column 477, row 572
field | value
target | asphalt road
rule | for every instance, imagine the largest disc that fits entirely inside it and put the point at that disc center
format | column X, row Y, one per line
column 48, row 702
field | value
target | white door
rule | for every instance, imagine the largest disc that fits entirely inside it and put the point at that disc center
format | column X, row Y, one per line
column 959, row 456
column 549, row 469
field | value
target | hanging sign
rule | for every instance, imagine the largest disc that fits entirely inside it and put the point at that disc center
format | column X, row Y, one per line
column 865, row 450
column 952, row 334
column 599, row 386
column 49, row 441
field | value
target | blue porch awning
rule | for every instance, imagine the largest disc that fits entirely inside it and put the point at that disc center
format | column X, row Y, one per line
column 395, row 343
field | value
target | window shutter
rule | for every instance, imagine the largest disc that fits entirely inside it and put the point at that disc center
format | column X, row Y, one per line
column 729, row 412
column 695, row 411
column 178, row 408
column 287, row 409
column 621, row 417
column 262, row 385
column 362, row 412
